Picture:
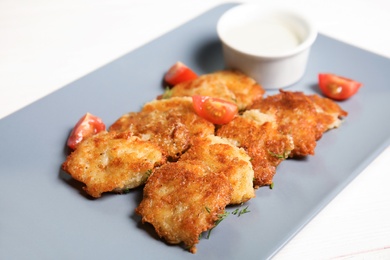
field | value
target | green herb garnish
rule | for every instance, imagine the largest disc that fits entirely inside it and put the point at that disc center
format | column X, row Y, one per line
column 148, row 173
column 167, row 93
column 279, row 156
column 237, row 212
column 240, row 211
column 219, row 220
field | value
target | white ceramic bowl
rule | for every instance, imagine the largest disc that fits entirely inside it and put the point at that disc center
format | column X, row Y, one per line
column 270, row 45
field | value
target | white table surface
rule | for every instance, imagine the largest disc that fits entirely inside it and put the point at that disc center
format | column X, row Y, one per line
column 46, row 44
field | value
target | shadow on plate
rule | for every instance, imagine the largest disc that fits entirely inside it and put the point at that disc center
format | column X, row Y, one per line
column 76, row 185
column 208, row 56
column 315, row 88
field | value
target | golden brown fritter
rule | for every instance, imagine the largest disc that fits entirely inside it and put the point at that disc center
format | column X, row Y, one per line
column 219, row 155
column 204, row 86
column 295, row 114
column 266, row 146
column 182, row 200
column 246, row 89
column 305, row 117
column 184, row 104
column 329, row 114
column 230, row 85
column 110, row 162
column 162, row 128
column 170, row 123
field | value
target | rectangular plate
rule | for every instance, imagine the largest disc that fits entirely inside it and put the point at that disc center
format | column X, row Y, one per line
column 44, row 214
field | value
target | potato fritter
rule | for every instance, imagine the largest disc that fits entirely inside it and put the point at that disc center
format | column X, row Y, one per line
column 305, row 117
column 329, row 114
column 246, row 89
column 260, row 138
column 203, row 86
column 295, row 114
column 230, row 85
column 219, row 155
column 183, row 199
column 111, row 162
column 170, row 123
column 184, row 104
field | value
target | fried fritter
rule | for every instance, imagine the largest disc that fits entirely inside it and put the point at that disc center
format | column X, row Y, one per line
column 295, row 114
column 111, row 162
column 305, row 117
column 170, row 123
column 259, row 136
column 329, row 114
column 183, row 104
column 204, row 86
column 230, row 85
column 219, row 155
column 246, row 89
column 183, row 199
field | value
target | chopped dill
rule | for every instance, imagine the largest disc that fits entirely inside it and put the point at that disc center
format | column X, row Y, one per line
column 221, row 217
column 279, row 156
column 244, row 211
column 219, row 220
column 237, row 212
column 148, row 173
column 234, row 212
column 167, row 93
column 125, row 191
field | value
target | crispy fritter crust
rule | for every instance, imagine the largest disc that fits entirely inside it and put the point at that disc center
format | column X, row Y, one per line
column 110, row 162
column 330, row 114
column 183, row 104
column 170, row 123
column 205, row 86
column 295, row 114
column 221, row 156
column 182, row 200
column 230, row 85
column 266, row 146
column 305, row 117
column 246, row 89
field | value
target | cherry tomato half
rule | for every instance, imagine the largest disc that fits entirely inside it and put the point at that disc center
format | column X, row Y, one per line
column 337, row 87
column 179, row 73
column 87, row 126
column 215, row 110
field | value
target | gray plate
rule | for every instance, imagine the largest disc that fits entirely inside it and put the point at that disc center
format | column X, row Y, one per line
column 45, row 215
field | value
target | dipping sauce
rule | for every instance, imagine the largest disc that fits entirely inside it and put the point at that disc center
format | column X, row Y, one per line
column 270, row 45
column 263, row 36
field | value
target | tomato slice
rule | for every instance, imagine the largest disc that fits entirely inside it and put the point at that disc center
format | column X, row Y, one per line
column 215, row 110
column 337, row 87
column 87, row 126
column 179, row 73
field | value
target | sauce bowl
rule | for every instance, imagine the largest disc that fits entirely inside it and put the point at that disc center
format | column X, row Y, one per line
column 270, row 45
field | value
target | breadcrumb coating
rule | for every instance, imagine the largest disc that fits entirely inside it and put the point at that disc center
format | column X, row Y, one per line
column 266, row 146
column 230, row 85
column 305, row 117
column 183, row 199
column 170, row 123
column 221, row 156
column 110, row 162
column 295, row 114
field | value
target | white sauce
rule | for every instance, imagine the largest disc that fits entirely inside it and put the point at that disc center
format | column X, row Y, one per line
column 263, row 37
